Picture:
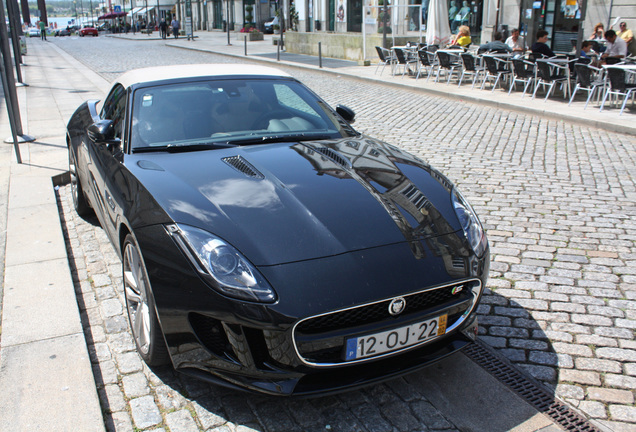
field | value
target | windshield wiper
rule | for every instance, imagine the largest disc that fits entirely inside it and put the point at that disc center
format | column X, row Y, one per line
column 201, row 145
column 281, row 138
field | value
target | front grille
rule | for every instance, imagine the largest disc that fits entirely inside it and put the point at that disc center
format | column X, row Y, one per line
column 321, row 340
column 373, row 313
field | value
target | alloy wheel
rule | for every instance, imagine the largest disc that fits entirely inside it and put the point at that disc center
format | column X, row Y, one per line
column 136, row 291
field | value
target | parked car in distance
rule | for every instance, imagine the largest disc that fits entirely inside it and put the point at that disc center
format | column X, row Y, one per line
column 33, row 32
column 64, row 31
column 88, row 31
column 265, row 243
column 269, row 25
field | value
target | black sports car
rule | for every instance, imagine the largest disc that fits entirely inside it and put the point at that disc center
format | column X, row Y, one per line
column 265, row 243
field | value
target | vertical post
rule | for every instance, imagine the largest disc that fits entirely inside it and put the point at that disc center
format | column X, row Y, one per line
column 278, row 52
column 227, row 23
column 320, row 55
column 580, row 36
column 281, row 23
column 8, row 85
column 14, row 25
column 245, row 44
column 384, row 17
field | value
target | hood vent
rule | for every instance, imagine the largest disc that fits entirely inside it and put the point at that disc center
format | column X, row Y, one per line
column 241, row 165
column 334, row 156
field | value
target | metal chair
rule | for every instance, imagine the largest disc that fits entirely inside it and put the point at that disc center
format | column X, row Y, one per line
column 470, row 68
column 427, row 62
column 495, row 68
column 547, row 78
column 618, row 86
column 446, row 63
column 403, row 58
column 386, row 58
column 586, row 81
column 523, row 72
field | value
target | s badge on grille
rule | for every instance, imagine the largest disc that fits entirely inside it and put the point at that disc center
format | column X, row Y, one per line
column 397, row 306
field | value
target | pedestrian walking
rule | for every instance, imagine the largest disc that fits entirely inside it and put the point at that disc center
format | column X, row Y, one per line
column 163, row 28
column 42, row 26
column 175, row 27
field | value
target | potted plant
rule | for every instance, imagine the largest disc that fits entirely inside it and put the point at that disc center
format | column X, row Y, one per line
column 251, row 32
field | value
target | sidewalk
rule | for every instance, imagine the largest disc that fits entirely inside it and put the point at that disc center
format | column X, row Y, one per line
column 265, row 51
column 45, row 371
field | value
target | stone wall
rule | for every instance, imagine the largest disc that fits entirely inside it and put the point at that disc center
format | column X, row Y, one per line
column 346, row 46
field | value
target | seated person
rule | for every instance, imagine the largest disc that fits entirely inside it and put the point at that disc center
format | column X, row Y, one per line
column 588, row 56
column 616, row 48
column 496, row 46
column 599, row 31
column 462, row 38
column 540, row 48
column 515, row 42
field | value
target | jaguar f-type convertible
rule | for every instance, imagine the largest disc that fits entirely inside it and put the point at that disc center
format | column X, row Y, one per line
column 265, row 243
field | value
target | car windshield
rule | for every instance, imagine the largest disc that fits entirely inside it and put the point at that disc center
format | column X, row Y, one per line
column 230, row 111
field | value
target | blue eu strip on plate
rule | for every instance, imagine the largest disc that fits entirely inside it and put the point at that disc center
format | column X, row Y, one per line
column 352, row 348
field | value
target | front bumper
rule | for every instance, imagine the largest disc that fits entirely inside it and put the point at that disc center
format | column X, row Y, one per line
column 296, row 346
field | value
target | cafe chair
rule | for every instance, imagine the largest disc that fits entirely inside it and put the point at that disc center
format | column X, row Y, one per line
column 386, row 58
column 448, row 64
column 495, row 69
column 618, row 87
column 427, row 63
column 403, row 58
column 589, row 79
column 470, row 68
column 522, row 72
column 546, row 77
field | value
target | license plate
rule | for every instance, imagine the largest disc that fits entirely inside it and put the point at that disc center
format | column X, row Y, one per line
column 393, row 340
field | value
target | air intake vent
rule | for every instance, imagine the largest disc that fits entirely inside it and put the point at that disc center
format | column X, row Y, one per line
column 243, row 166
column 334, row 156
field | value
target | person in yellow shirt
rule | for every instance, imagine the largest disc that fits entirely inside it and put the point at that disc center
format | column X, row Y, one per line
column 628, row 36
column 463, row 37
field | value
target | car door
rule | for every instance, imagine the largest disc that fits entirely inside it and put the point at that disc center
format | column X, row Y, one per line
column 106, row 163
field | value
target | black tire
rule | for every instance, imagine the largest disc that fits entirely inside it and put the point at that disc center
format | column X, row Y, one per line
column 82, row 207
column 140, row 306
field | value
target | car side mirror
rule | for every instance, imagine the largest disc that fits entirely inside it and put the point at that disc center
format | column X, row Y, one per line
column 346, row 113
column 103, row 132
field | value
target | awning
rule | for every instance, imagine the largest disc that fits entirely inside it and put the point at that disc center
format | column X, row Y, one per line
column 142, row 10
column 135, row 10
column 112, row 15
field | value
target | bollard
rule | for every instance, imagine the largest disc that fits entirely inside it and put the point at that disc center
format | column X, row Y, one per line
column 320, row 55
column 278, row 52
column 245, row 43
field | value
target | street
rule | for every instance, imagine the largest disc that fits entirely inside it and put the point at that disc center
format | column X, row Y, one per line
column 558, row 201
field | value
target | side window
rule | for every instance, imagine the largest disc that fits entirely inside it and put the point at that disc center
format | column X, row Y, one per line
column 115, row 109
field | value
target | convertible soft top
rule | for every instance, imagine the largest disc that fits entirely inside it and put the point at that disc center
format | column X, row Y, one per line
column 161, row 73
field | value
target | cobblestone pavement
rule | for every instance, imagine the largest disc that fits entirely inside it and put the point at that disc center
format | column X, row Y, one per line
column 559, row 204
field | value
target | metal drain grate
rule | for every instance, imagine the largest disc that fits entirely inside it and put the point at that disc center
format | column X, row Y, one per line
column 536, row 396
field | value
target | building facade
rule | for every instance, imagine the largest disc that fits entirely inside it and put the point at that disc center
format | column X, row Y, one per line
column 398, row 18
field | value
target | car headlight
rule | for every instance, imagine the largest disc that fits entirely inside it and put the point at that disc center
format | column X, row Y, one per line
column 222, row 265
column 473, row 230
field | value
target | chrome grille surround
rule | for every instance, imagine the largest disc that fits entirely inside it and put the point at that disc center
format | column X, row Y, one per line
column 475, row 288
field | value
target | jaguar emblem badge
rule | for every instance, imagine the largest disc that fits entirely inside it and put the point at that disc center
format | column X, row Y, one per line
column 397, row 306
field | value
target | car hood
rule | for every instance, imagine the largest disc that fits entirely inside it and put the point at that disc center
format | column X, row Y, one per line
column 289, row 202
